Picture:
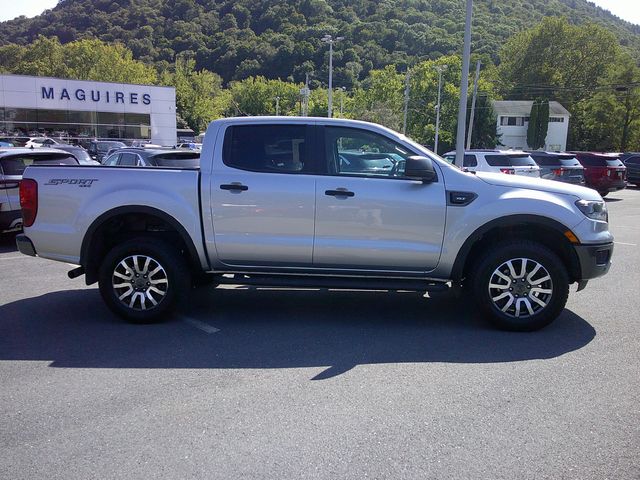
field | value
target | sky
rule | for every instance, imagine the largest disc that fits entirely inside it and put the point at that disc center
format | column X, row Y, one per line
column 627, row 9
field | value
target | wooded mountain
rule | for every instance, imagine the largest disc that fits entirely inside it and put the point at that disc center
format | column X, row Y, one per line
column 281, row 39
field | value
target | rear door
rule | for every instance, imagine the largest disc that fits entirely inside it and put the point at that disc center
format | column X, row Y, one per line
column 263, row 196
column 370, row 217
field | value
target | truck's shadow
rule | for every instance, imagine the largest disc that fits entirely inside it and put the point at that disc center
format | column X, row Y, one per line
column 8, row 242
column 274, row 329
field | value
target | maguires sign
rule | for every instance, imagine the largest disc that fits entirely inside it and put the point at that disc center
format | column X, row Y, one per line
column 50, row 93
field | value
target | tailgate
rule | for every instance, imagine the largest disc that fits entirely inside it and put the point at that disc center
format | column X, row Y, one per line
column 71, row 199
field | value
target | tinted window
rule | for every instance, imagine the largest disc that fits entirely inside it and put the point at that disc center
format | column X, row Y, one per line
column 112, row 160
column 521, row 161
column 546, row 161
column 498, row 160
column 470, row 161
column 176, row 159
column 633, row 160
column 266, row 148
column 128, row 160
column 16, row 165
column 352, row 151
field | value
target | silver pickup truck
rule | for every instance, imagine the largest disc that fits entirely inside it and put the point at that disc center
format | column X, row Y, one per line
column 315, row 202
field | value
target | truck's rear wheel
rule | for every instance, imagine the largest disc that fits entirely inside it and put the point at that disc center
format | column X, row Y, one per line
column 520, row 285
column 142, row 279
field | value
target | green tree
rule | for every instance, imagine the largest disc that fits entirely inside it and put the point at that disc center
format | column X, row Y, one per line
column 257, row 96
column 565, row 62
column 538, row 124
column 199, row 94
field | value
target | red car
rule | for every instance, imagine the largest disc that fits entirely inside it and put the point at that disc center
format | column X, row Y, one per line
column 603, row 172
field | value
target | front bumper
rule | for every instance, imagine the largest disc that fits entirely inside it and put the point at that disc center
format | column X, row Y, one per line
column 595, row 260
column 25, row 246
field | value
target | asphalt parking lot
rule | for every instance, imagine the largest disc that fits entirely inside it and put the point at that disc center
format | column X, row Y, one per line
column 264, row 383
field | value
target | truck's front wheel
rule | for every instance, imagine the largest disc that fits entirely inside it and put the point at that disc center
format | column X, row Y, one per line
column 520, row 285
column 142, row 279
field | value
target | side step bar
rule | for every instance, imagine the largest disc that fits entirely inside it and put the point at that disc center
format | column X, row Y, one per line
column 342, row 283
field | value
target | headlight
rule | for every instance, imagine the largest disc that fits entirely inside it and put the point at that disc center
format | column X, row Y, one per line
column 594, row 209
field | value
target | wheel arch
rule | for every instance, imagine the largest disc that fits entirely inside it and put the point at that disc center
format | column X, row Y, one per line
column 94, row 245
column 544, row 230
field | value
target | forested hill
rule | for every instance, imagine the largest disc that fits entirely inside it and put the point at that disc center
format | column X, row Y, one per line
column 281, row 38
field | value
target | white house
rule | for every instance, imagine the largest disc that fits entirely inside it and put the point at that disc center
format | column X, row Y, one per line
column 513, row 121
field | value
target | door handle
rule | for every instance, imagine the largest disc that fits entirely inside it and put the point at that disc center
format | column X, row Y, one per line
column 234, row 187
column 339, row 193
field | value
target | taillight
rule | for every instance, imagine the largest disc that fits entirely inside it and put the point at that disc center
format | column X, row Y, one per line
column 28, row 201
column 558, row 172
column 508, row 171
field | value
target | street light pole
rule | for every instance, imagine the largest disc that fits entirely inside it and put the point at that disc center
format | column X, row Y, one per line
column 464, row 86
column 342, row 90
column 439, row 69
column 330, row 40
column 277, row 106
column 406, row 101
column 473, row 105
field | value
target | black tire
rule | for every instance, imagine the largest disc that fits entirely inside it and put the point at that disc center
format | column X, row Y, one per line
column 603, row 194
column 171, row 292
column 519, row 294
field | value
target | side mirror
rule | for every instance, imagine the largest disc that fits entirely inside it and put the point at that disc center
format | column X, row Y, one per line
column 420, row 168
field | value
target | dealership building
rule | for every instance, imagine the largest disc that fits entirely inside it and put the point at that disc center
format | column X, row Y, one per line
column 80, row 110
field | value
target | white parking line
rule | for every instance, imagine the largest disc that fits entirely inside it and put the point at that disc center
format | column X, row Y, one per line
column 623, row 243
column 205, row 327
column 12, row 258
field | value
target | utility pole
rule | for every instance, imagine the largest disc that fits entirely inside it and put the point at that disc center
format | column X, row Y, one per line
column 330, row 40
column 439, row 69
column 406, row 101
column 305, row 92
column 464, row 86
column 342, row 90
column 473, row 104
column 277, row 106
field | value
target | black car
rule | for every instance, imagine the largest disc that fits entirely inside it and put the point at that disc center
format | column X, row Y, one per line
column 156, row 157
column 563, row 167
column 79, row 153
column 98, row 148
column 632, row 162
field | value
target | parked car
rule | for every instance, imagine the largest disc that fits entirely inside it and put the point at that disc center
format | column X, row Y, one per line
column 149, row 157
column 5, row 144
column 79, row 153
column 13, row 162
column 38, row 142
column 267, row 208
column 603, row 172
column 499, row 161
column 98, row 148
column 190, row 146
column 632, row 162
column 563, row 167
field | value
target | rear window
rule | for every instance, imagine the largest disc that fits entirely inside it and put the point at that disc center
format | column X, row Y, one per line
column 177, row 159
column 17, row 164
column 632, row 161
column 599, row 161
column 521, row 161
column 498, row 160
column 556, row 160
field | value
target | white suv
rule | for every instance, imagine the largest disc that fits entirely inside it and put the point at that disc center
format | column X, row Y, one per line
column 512, row 162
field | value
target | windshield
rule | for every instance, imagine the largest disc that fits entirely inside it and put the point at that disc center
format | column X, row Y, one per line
column 106, row 146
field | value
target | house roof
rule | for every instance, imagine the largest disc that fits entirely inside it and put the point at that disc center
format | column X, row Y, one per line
column 522, row 108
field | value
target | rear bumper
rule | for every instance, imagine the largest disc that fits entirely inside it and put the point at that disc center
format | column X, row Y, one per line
column 25, row 246
column 595, row 260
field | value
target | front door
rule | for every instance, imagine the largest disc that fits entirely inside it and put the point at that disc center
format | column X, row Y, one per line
column 263, row 196
column 368, row 215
